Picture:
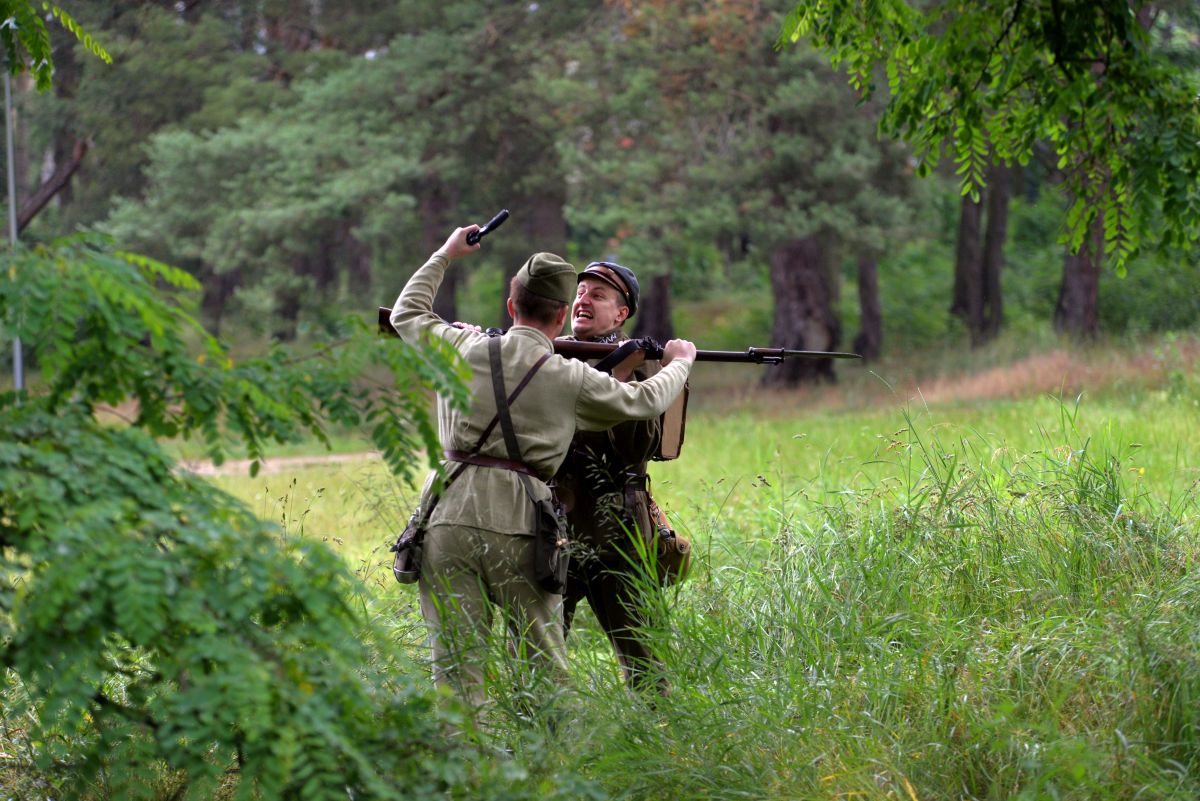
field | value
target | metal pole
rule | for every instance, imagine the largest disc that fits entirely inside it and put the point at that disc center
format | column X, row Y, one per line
column 18, row 360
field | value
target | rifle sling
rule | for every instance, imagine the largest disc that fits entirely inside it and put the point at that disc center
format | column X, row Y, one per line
column 609, row 362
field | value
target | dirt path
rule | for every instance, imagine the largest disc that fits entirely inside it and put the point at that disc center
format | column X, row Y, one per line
column 278, row 464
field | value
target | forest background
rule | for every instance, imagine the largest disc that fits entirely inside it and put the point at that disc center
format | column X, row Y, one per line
column 300, row 158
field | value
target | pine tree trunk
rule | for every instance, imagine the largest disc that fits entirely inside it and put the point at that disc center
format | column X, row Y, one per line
column 999, row 190
column 804, row 318
column 218, row 289
column 1076, row 312
column 290, row 297
column 357, row 257
column 435, row 204
column 539, row 226
column 967, row 302
column 654, row 314
column 869, row 341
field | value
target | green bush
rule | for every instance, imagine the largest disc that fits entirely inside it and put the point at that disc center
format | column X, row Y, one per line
column 158, row 640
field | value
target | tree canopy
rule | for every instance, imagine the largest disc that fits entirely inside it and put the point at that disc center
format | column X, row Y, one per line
column 993, row 80
column 298, row 158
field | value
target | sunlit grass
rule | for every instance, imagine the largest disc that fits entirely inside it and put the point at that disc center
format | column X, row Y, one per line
column 911, row 599
column 972, row 600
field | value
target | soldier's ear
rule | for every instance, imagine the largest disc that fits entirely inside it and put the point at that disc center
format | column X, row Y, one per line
column 622, row 314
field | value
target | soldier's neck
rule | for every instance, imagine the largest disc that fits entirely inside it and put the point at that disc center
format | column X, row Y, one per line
column 549, row 330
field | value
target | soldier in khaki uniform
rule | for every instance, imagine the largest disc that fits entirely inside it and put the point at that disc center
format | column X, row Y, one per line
column 478, row 547
column 604, row 483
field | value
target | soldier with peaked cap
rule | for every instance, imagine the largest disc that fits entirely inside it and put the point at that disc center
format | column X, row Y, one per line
column 478, row 551
column 604, row 484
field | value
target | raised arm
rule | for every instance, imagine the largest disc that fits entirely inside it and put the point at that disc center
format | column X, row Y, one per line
column 413, row 314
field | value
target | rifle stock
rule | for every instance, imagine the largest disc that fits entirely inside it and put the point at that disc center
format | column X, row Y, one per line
column 572, row 349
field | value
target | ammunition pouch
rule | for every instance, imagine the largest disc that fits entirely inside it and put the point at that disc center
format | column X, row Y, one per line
column 672, row 553
column 551, row 555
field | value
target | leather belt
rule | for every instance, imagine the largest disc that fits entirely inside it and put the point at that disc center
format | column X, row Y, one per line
column 489, row 461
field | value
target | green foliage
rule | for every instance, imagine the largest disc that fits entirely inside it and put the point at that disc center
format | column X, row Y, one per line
column 169, row 71
column 297, row 158
column 153, row 633
column 158, row 627
column 701, row 172
column 1092, row 78
column 83, row 36
column 27, row 41
column 298, row 189
column 103, row 333
column 333, row 183
column 942, row 612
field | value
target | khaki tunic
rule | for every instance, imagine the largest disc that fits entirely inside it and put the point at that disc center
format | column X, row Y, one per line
column 566, row 395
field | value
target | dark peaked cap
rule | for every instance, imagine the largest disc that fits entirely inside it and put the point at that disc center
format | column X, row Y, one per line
column 619, row 278
column 549, row 276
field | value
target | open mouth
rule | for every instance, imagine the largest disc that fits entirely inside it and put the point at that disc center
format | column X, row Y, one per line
column 583, row 315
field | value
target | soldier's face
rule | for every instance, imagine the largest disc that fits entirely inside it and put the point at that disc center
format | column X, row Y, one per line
column 598, row 309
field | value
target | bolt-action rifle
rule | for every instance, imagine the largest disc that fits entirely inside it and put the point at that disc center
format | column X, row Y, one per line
column 573, row 349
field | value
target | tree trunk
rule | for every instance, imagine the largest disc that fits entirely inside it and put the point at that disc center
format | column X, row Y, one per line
column 435, row 204
column 543, row 227
column 323, row 266
column 1075, row 313
column 218, row 289
column 56, row 183
column 804, row 318
column 869, row 341
column 357, row 258
column 654, row 314
column 999, row 190
column 289, row 297
column 967, row 302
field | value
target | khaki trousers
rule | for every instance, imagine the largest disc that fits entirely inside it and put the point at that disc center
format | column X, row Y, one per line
column 464, row 573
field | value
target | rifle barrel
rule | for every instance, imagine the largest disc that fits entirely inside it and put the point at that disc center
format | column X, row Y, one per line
column 573, row 349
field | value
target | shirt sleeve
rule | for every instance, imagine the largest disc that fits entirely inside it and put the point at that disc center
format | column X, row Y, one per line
column 604, row 401
column 412, row 315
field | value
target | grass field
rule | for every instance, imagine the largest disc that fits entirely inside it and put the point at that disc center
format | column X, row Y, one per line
column 994, row 598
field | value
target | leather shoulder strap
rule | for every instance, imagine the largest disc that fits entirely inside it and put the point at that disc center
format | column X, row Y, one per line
column 501, row 408
column 487, row 432
column 502, row 403
column 510, row 436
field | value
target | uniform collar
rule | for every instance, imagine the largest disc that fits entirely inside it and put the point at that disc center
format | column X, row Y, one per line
column 611, row 338
column 532, row 333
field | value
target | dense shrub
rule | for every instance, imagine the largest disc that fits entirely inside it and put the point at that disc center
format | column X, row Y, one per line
column 156, row 639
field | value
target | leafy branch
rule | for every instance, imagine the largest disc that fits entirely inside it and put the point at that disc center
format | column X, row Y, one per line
column 1056, row 62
